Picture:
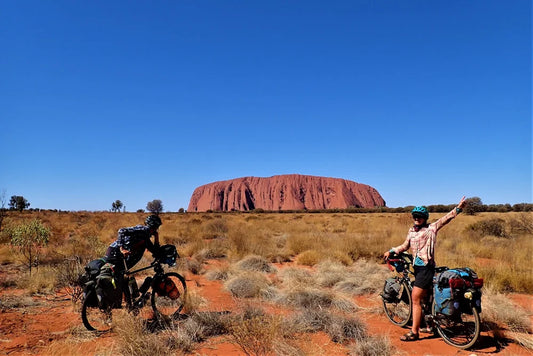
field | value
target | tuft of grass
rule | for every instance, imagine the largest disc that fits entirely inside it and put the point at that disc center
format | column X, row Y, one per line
column 199, row 327
column 215, row 228
column 9, row 301
column 340, row 328
column 309, row 258
column 43, row 281
column 218, row 274
column 372, row 346
column 499, row 310
column 294, row 277
column 313, row 320
column 255, row 263
column 314, row 298
column 259, row 334
column 247, row 285
column 194, row 266
column 343, row 329
column 133, row 338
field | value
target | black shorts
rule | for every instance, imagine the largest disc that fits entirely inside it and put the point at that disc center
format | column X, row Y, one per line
column 424, row 276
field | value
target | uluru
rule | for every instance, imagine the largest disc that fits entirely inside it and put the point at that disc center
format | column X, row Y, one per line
column 284, row 192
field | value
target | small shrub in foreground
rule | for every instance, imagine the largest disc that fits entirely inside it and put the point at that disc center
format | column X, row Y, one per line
column 261, row 335
column 308, row 258
column 247, row 285
column 372, row 346
column 255, row 263
column 135, row 340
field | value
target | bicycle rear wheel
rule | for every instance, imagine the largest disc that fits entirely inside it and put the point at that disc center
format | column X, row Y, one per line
column 400, row 311
column 165, row 305
column 93, row 317
column 460, row 330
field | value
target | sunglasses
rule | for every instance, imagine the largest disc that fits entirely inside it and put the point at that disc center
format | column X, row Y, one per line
column 416, row 217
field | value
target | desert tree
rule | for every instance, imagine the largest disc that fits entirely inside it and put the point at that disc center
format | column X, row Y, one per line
column 18, row 202
column 29, row 238
column 155, row 206
column 473, row 206
column 116, row 206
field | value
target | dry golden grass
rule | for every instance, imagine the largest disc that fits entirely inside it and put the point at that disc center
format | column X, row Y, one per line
column 504, row 262
column 343, row 250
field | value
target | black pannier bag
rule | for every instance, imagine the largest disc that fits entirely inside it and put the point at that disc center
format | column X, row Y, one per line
column 88, row 280
column 108, row 288
column 391, row 290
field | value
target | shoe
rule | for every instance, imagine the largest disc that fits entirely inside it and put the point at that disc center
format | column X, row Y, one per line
column 427, row 330
column 410, row 336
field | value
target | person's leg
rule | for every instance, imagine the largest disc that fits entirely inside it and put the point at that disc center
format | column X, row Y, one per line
column 417, row 295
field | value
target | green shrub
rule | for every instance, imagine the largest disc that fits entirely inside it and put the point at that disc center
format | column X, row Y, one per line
column 489, row 227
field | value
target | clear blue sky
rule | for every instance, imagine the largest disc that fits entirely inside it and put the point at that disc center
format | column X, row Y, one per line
column 426, row 101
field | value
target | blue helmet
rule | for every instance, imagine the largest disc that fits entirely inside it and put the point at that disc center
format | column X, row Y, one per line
column 420, row 211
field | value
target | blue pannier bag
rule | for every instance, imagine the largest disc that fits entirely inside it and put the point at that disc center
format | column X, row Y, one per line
column 444, row 303
column 450, row 287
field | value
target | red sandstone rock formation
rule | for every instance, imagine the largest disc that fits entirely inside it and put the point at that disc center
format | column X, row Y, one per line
column 284, row 192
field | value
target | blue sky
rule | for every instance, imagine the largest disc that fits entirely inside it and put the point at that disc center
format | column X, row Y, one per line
column 426, row 101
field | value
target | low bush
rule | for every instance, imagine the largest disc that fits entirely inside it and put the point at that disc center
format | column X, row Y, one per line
column 489, row 227
column 255, row 263
column 309, row 258
column 343, row 329
column 247, row 285
column 372, row 346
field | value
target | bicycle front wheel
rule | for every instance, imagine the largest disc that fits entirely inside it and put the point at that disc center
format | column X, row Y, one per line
column 169, row 304
column 461, row 329
column 95, row 318
column 400, row 311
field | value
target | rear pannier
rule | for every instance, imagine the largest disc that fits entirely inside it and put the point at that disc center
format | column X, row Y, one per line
column 455, row 288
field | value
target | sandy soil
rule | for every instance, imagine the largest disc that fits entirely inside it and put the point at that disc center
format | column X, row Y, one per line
column 52, row 326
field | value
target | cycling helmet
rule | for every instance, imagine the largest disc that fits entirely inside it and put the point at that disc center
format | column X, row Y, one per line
column 420, row 211
column 153, row 221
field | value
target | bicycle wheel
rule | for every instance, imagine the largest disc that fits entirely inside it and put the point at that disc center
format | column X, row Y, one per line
column 460, row 330
column 166, row 306
column 93, row 317
column 400, row 311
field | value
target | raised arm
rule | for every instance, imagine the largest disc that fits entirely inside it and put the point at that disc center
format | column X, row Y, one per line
column 437, row 225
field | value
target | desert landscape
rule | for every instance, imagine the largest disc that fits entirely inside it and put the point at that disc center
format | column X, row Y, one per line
column 263, row 284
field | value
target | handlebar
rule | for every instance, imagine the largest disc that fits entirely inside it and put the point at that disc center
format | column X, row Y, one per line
column 400, row 262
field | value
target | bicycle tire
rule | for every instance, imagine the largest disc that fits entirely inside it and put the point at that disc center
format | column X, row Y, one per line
column 460, row 330
column 163, row 305
column 400, row 312
column 93, row 317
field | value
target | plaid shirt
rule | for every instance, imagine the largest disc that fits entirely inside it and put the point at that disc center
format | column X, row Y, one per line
column 422, row 242
column 135, row 239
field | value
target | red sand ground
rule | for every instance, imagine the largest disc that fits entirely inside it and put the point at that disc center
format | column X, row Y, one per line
column 39, row 330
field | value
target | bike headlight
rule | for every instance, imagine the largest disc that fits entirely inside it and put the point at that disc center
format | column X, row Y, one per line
column 468, row 295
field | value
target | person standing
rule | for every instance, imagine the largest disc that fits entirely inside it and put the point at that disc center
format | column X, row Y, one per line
column 421, row 239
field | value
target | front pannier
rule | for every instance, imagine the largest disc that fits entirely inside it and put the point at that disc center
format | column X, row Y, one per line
column 391, row 290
